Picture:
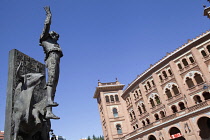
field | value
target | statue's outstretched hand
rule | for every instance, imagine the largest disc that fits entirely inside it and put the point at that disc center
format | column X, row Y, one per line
column 47, row 9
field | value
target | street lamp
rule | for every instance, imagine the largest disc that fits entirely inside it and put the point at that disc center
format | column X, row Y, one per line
column 206, row 87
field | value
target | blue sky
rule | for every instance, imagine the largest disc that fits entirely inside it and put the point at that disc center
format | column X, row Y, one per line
column 100, row 39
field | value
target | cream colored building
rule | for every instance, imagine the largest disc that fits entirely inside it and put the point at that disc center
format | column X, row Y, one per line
column 170, row 100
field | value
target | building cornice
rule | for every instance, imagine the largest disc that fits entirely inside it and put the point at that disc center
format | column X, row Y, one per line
column 107, row 88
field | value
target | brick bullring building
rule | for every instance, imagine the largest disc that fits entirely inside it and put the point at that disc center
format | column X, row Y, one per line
column 170, row 100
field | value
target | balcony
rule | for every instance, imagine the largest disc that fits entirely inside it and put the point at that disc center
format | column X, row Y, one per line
column 167, row 118
column 147, row 126
column 198, row 106
column 158, row 107
column 188, row 67
column 129, row 105
column 143, row 115
column 138, row 98
column 196, row 88
column 174, row 98
column 113, row 103
column 167, row 79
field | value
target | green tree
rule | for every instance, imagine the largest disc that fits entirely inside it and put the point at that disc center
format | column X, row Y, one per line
column 94, row 137
column 101, row 138
column 88, row 138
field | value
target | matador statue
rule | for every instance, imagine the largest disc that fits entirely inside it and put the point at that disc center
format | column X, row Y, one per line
column 48, row 40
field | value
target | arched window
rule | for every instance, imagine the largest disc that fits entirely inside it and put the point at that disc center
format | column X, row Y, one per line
column 127, row 102
column 174, row 131
column 191, row 59
column 151, row 137
column 179, row 66
column 175, row 89
column 208, row 48
column 107, row 98
column 197, row 99
column 203, row 53
column 134, row 95
column 203, row 124
column 184, row 61
column 198, row 78
column 119, row 129
column 157, row 99
column 116, row 98
column 156, row 117
column 181, row 106
column 137, row 126
column 168, row 93
column 206, row 95
column 160, row 77
column 145, row 87
column 112, row 98
column 134, row 127
column 131, row 116
column 139, row 91
column 189, row 82
column 139, row 108
column 133, row 113
column 162, row 114
column 148, row 122
column 164, row 74
column 143, row 123
column 115, row 113
column 169, row 71
column 174, row 109
column 143, row 107
column 153, row 83
column 152, row 102
column 148, row 84
column 137, row 95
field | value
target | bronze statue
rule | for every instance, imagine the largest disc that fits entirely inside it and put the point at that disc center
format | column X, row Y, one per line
column 28, row 118
column 53, row 52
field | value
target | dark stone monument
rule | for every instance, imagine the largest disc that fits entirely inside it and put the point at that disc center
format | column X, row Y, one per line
column 25, row 90
column 29, row 98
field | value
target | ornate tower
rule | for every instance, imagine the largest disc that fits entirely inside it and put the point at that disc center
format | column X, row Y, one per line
column 111, row 107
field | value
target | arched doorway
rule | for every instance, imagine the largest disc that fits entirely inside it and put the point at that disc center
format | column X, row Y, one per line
column 204, row 126
column 151, row 137
column 175, row 134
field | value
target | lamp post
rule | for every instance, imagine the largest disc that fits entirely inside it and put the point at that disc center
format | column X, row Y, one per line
column 206, row 87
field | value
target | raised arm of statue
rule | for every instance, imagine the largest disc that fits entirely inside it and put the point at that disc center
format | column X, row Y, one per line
column 47, row 24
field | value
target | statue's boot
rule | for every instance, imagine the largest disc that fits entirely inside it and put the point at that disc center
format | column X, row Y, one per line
column 50, row 93
column 52, row 104
column 50, row 115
